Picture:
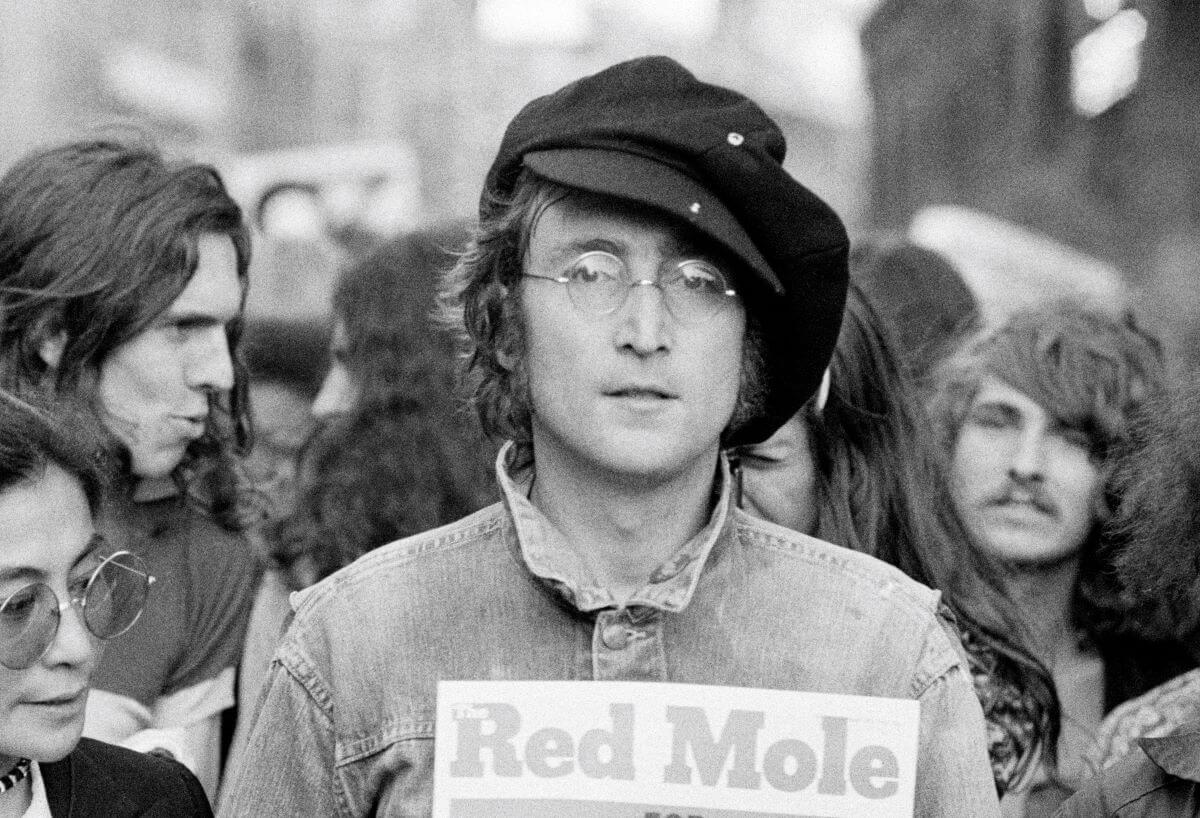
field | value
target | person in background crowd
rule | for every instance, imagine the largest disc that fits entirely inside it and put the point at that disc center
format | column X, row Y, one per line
column 390, row 388
column 393, row 456
column 920, row 296
column 857, row 467
column 643, row 285
column 63, row 593
column 1148, row 748
column 122, row 279
column 1034, row 414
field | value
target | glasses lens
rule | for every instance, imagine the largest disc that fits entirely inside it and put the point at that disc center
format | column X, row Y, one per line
column 696, row 289
column 28, row 622
column 116, row 595
column 596, row 283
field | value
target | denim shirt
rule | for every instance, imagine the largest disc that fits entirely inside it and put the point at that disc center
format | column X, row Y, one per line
column 346, row 720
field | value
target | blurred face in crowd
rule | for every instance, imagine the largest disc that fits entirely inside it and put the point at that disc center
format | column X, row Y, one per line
column 340, row 390
column 154, row 389
column 1025, row 483
column 779, row 477
column 636, row 393
column 46, row 536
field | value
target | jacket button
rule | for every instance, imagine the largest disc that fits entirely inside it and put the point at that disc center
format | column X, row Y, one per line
column 615, row 636
column 735, row 138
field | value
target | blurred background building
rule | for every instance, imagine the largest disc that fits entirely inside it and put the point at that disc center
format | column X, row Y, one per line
column 340, row 121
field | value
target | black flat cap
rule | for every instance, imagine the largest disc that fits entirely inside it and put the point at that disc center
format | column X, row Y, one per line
column 648, row 131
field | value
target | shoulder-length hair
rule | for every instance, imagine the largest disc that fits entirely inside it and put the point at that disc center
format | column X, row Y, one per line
column 1159, row 515
column 405, row 459
column 97, row 238
column 881, row 488
column 1090, row 370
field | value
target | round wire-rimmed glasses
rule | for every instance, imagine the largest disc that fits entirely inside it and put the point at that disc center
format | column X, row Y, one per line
column 110, row 600
column 598, row 283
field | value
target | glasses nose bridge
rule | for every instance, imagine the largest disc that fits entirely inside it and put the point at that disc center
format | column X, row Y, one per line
column 656, row 282
column 76, row 602
column 72, row 602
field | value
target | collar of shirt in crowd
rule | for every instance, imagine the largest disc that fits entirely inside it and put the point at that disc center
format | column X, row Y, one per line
column 553, row 559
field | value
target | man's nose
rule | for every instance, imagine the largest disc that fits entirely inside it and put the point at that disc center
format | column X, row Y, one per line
column 211, row 364
column 645, row 320
column 1028, row 456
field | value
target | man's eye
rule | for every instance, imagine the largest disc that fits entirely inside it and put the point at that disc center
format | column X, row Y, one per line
column 1076, row 437
column 583, row 274
column 701, row 277
column 594, row 268
column 756, row 457
column 179, row 331
column 990, row 418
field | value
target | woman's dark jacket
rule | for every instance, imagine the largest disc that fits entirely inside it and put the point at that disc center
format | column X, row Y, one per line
column 103, row 781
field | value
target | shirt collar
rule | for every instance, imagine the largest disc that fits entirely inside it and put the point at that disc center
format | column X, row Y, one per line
column 39, row 806
column 550, row 556
column 1176, row 754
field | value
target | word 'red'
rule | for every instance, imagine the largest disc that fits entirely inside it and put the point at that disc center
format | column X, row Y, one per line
column 787, row 765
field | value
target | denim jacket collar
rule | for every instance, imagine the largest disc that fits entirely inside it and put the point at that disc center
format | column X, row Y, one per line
column 552, row 559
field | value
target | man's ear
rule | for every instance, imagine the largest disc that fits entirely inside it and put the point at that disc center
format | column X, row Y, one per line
column 51, row 348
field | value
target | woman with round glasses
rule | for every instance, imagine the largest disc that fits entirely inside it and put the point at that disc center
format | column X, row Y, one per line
column 63, row 592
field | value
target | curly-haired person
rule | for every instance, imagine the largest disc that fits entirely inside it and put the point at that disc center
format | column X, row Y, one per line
column 1034, row 414
column 1146, row 749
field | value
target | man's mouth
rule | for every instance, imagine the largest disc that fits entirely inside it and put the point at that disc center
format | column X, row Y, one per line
column 61, row 701
column 641, row 393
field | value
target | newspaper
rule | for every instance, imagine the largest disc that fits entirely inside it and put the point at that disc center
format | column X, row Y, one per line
column 655, row 750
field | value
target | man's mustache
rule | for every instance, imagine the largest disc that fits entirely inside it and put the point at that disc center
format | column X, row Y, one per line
column 1032, row 494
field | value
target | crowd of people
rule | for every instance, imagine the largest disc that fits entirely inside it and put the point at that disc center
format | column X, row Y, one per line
column 648, row 418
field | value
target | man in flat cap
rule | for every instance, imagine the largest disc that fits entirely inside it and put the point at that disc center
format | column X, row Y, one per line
column 644, row 278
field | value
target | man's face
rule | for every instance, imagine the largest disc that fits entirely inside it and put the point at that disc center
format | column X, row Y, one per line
column 46, row 536
column 1025, row 484
column 634, row 394
column 154, row 388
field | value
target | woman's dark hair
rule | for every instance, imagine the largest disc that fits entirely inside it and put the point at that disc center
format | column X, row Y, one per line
column 881, row 488
column 33, row 437
column 405, row 459
column 97, row 238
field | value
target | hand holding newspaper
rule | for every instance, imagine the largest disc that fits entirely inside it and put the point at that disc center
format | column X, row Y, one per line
column 655, row 750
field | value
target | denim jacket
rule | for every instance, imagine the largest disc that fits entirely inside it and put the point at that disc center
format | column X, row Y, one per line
column 346, row 720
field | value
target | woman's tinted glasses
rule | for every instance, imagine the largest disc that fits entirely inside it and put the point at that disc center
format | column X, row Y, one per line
column 110, row 600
